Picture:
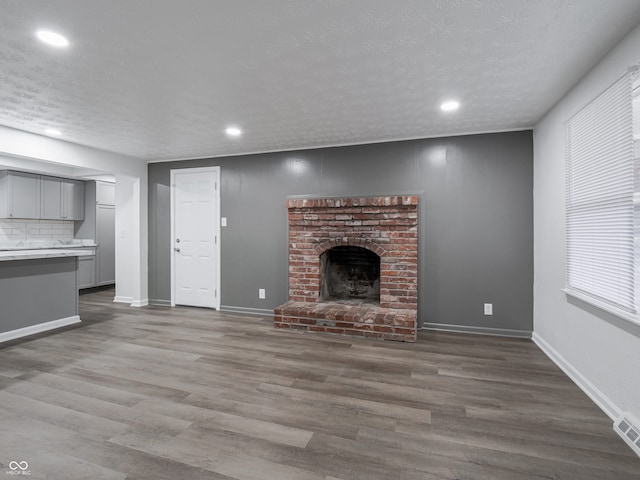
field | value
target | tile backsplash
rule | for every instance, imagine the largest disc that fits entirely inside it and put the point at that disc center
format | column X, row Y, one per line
column 23, row 229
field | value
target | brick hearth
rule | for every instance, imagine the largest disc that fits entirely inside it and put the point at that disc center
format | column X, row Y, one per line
column 387, row 226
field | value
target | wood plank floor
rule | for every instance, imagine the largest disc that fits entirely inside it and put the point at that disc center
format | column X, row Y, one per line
column 161, row 393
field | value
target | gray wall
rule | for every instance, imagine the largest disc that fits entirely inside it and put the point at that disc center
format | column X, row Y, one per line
column 476, row 221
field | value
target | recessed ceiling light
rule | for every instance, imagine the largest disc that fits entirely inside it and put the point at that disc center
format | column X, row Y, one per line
column 450, row 106
column 233, row 132
column 53, row 131
column 52, row 38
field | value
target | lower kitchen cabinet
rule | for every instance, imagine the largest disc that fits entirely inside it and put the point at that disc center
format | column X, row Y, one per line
column 86, row 272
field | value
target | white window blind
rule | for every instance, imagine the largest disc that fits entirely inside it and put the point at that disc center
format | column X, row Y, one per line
column 599, row 198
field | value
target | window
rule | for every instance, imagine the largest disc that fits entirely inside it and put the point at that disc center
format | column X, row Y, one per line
column 601, row 216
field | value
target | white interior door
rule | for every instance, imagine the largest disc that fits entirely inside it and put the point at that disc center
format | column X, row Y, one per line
column 195, row 224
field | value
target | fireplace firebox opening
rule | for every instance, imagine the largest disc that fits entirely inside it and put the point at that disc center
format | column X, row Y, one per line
column 349, row 274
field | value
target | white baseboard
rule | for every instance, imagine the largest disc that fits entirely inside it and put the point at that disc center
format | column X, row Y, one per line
column 39, row 328
column 499, row 332
column 121, row 299
column 248, row 310
column 134, row 303
column 599, row 398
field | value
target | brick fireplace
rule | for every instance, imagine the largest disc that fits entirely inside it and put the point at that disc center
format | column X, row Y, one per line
column 353, row 267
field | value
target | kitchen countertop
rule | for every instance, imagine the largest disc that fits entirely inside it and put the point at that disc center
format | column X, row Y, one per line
column 30, row 249
column 45, row 244
column 8, row 255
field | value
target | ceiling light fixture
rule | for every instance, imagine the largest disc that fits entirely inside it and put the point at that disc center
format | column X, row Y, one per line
column 233, row 132
column 52, row 38
column 450, row 106
column 53, row 131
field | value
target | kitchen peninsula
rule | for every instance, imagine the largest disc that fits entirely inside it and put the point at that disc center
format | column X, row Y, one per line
column 39, row 286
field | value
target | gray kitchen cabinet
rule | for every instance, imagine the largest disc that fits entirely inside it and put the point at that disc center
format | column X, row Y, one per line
column 86, row 271
column 72, row 195
column 106, row 240
column 105, row 193
column 19, row 195
column 51, row 198
column 27, row 195
column 99, row 224
column 61, row 198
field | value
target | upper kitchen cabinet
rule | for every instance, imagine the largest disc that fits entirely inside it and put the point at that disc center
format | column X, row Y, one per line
column 105, row 193
column 62, row 199
column 72, row 199
column 19, row 195
column 27, row 195
column 50, row 196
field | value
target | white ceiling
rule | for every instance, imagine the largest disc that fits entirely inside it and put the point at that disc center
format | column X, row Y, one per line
column 161, row 79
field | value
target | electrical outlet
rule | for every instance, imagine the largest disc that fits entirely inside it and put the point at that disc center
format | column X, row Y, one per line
column 262, row 294
column 223, row 222
column 488, row 308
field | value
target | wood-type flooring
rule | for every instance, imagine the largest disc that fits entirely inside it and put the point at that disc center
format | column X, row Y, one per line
column 187, row 393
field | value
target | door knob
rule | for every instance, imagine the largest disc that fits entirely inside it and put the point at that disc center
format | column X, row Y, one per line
column 177, row 249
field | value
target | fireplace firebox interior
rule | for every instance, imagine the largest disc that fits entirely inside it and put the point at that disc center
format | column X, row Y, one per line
column 350, row 274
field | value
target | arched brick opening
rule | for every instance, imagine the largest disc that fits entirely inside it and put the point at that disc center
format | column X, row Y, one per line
column 356, row 242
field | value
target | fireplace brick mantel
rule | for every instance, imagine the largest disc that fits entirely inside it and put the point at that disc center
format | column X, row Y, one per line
column 387, row 226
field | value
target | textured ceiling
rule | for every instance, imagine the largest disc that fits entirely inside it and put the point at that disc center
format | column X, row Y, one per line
column 161, row 79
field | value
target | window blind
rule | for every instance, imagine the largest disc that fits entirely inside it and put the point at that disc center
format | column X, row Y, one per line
column 599, row 198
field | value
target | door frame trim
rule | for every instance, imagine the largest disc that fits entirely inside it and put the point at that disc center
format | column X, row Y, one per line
column 173, row 172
